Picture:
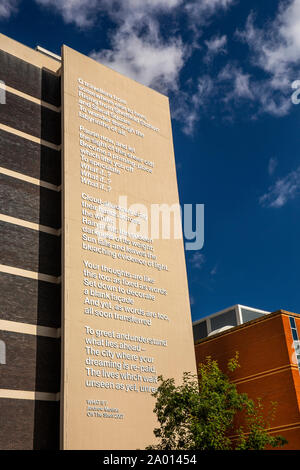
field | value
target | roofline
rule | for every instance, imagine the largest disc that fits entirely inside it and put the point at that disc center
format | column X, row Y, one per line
column 230, row 308
column 42, row 50
column 248, row 323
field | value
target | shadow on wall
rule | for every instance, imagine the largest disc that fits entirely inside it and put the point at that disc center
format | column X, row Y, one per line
column 48, row 353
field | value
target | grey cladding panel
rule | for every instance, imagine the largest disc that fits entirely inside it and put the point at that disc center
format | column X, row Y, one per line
column 200, row 330
column 224, row 319
column 249, row 315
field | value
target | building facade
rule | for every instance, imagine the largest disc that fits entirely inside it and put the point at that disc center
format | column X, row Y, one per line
column 30, row 226
column 91, row 301
column 269, row 358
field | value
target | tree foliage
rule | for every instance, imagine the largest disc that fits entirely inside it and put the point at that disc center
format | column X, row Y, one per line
column 199, row 413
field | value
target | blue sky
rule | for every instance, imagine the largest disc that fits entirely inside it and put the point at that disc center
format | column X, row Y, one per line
column 227, row 66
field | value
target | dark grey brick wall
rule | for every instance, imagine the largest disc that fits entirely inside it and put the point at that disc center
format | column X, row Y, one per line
column 29, row 425
column 29, row 249
column 25, row 77
column 29, row 202
column 30, row 301
column 29, row 158
column 32, row 362
column 31, row 118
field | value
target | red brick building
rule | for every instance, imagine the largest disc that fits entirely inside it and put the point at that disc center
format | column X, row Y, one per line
column 269, row 356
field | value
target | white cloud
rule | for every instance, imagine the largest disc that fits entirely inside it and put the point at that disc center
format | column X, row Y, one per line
column 272, row 165
column 145, row 60
column 201, row 10
column 272, row 101
column 216, row 45
column 7, row 8
column 138, row 5
column 212, row 5
column 188, row 107
column 81, row 12
column 197, row 260
column 214, row 270
column 137, row 47
column 285, row 189
column 238, row 86
column 84, row 13
column 276, row 50
column 140, row 49
column 238, row 81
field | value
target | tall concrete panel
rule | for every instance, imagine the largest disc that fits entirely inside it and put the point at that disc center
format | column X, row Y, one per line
column 126, row 313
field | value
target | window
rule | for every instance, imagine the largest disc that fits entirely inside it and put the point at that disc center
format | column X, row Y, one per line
column 200, row 330
column 2, row 92
column 295, row 334
column 2, row 352
column 224, row 319
column 296, row 342
column 249, row 315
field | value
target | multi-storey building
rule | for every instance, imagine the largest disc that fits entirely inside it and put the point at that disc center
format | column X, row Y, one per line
column 92, row 308
column 269, row 358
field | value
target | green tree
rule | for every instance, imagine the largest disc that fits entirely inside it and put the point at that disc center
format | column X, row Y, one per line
column 199, row 414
